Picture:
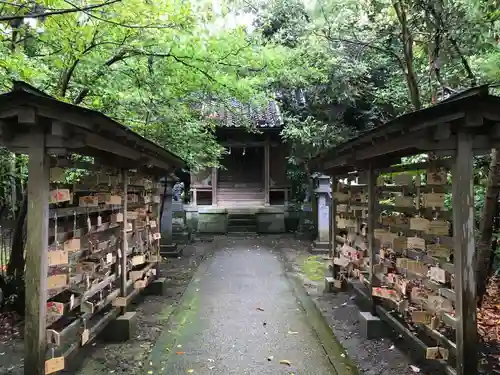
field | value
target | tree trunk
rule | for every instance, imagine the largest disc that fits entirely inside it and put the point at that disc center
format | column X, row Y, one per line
column 484, row 245
column 15, row 267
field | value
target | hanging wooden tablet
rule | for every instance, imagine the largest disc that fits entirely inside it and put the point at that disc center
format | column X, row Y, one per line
column 132, row 215
column 438, row 228
column 341, row 197
column 439, row 251
column 403, row 179
column 401, row 284
column 437, row 353
column 403, row 201
column 53, row 365
column 401, row 262
column 437, row 177
column 419, row 223
column 438, row 274
column 88, row 201
column 342, row 208
column 415, row 243
column 58, row 257
column 439, row 304
column 434, row 200
column 57, row 174
column 341, row 223
column 380, row 181
column 57, row 281
column 421, row 317
column 59, row 196
column 341, row 261
column 399, row 243
column 416, row 267
column 85, row 337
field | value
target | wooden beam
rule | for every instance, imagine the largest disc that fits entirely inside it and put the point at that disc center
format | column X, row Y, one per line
column 370, row 230
column 97, row 141
column 465, row 275
column 36, row 256
column 22, row 141
column 124, row 247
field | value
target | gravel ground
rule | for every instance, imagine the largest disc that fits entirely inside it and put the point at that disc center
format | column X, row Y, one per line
column 372, row 357
column 152, row 312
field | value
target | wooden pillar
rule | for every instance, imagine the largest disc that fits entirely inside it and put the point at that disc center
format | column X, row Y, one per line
column 124, row 249
column 370, row 230
column 214, row 186
column 36, row 256
column 463, row 238
column 266, row 171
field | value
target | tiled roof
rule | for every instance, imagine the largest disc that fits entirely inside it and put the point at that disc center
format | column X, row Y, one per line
column 235, row 114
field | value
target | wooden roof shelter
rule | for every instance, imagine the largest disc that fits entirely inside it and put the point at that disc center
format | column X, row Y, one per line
column 45, row 128
column 26, row 111
column 432, row 129
column 455, row 130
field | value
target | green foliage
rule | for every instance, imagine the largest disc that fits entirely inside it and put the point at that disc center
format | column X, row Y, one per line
column 150, row 65
column 360, row 63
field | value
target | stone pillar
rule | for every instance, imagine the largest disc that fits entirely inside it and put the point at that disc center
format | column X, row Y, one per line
column 166, row 244
column 214, row 186
column 267, row 171
column 323, row 198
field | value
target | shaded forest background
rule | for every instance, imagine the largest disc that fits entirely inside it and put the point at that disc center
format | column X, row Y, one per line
column 337, row 68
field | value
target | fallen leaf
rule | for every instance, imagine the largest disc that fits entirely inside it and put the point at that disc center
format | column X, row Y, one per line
column 190, row 371
column 179, row 352
column 414, row 369
column 260, row 309
column 285, row 362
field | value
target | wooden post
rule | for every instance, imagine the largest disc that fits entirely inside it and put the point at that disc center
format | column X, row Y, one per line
column 124, row 250
column 36, row 256
column 370, row 230
column 266, row 172
column 214, row 186
column 463, row 238
column 333, row 221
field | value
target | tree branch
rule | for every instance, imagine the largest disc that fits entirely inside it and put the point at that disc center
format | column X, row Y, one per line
column 56, row 12
column 118, row 23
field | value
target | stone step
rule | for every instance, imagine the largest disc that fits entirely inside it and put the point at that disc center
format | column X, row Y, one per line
column 241, row 220
column 242, row 234
column 242, row 228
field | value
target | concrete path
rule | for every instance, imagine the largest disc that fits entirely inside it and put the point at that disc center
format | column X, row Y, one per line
column 220, row 329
